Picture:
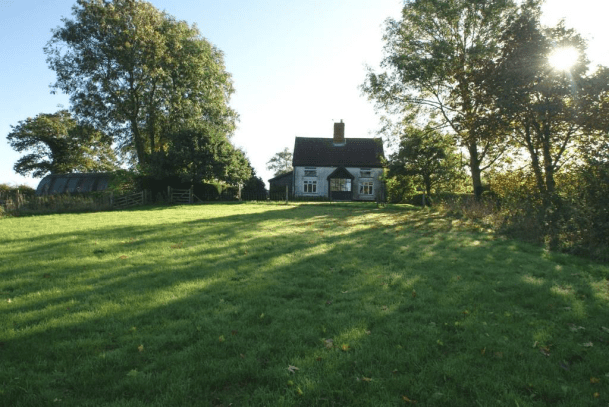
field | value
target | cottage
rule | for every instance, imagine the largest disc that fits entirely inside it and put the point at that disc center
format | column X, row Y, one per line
column 339, row 168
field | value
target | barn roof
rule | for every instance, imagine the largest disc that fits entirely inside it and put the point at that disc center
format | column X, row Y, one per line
column 324, row 152
column 280, row 177
column 73, row 183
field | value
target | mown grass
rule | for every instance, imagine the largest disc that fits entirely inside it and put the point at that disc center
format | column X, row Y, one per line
column 310, row 305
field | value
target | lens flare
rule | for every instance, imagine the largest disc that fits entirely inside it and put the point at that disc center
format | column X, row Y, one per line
column 564, row 58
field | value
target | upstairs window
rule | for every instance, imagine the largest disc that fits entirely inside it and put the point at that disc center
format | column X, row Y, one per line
column 365, row 173
column 310, row 172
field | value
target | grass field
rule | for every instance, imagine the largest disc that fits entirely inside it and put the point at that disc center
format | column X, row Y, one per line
column 309, row 305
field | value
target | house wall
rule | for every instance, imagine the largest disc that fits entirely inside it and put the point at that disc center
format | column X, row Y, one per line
column 323, row 186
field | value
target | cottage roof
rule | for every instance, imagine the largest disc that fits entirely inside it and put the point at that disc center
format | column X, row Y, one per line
column 73, row 183
column 323, row 152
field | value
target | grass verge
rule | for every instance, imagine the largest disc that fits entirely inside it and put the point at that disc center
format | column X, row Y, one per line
column 310, row 304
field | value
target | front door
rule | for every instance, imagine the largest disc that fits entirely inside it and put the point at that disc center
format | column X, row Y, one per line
column 340, row 189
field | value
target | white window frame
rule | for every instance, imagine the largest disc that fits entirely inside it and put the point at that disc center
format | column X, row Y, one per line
column 365, row 172
column 309, row 186
column 366, row 188
column 340, row 185
column 310, row 171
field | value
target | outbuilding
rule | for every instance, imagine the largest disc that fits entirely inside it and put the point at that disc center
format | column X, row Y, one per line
column 73, row 183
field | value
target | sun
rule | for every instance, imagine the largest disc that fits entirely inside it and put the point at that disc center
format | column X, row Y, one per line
column 564, row 58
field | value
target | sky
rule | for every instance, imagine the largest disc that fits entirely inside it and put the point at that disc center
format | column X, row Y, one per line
column 296, row 65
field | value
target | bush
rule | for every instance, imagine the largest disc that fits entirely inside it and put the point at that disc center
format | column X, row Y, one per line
column 400, row 189
column 124, row 181
column 26, row 190
column 575, row 219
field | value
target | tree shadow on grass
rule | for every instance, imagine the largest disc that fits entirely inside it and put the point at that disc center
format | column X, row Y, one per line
column 418, row 308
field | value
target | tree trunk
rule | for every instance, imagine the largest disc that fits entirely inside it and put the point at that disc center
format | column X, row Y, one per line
column 139, row 143
column 474, row 166
column 534, row 161
column 550, row 200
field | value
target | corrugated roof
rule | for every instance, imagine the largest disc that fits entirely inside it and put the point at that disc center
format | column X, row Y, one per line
column 73, row 183
column 322, row 152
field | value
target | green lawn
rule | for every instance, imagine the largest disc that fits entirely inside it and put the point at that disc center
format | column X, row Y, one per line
column 310, row 305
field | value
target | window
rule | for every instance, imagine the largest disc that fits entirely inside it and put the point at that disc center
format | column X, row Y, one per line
column 310, row 187
column 365, row 172
column 340, row 184
column 366, row 187
column 310, row 172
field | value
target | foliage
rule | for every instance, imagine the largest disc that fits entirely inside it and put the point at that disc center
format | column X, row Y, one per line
column 123, row 181
column 254, row 186
column 26, row 190
column 514, row 186
column 427, row 156
column 434, row 58
column 198, row 155
column 11, row 197
column 552, row 112
column 586, row 228
column 139, row 74
column 25, row 205
column 280, row 163
column 58, row 144
column 23, row 189
column 399, row 188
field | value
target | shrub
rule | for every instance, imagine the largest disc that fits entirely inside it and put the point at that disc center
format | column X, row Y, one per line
column 26, row 190
column 400, row 189
column 123, row 181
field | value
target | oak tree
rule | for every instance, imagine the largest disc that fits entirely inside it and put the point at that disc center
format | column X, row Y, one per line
column 56, row 144
column 139, row 74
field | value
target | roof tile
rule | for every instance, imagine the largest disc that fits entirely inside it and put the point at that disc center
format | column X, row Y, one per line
column 321, row 152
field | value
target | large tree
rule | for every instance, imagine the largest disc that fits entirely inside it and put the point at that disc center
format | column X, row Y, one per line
column 197, row 155
column 139, row 74
column 434, row 57
column 556, row 112
column 58, row 144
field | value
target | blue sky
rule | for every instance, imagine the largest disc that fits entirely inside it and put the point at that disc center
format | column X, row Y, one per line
column 296, row 66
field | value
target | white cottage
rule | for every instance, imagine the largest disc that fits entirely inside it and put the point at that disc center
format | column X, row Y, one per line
column 339, row 168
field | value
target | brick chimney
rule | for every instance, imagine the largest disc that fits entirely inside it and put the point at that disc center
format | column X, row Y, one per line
column 339, row 133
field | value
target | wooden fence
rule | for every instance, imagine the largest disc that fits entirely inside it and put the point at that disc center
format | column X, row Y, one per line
column 18, row 203
column 128, row 200
column 181, row 196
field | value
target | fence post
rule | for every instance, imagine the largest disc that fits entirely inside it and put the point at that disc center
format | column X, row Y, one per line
column 190, row 195
column 111, row 198
column 169, row 193
column 286, row 194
